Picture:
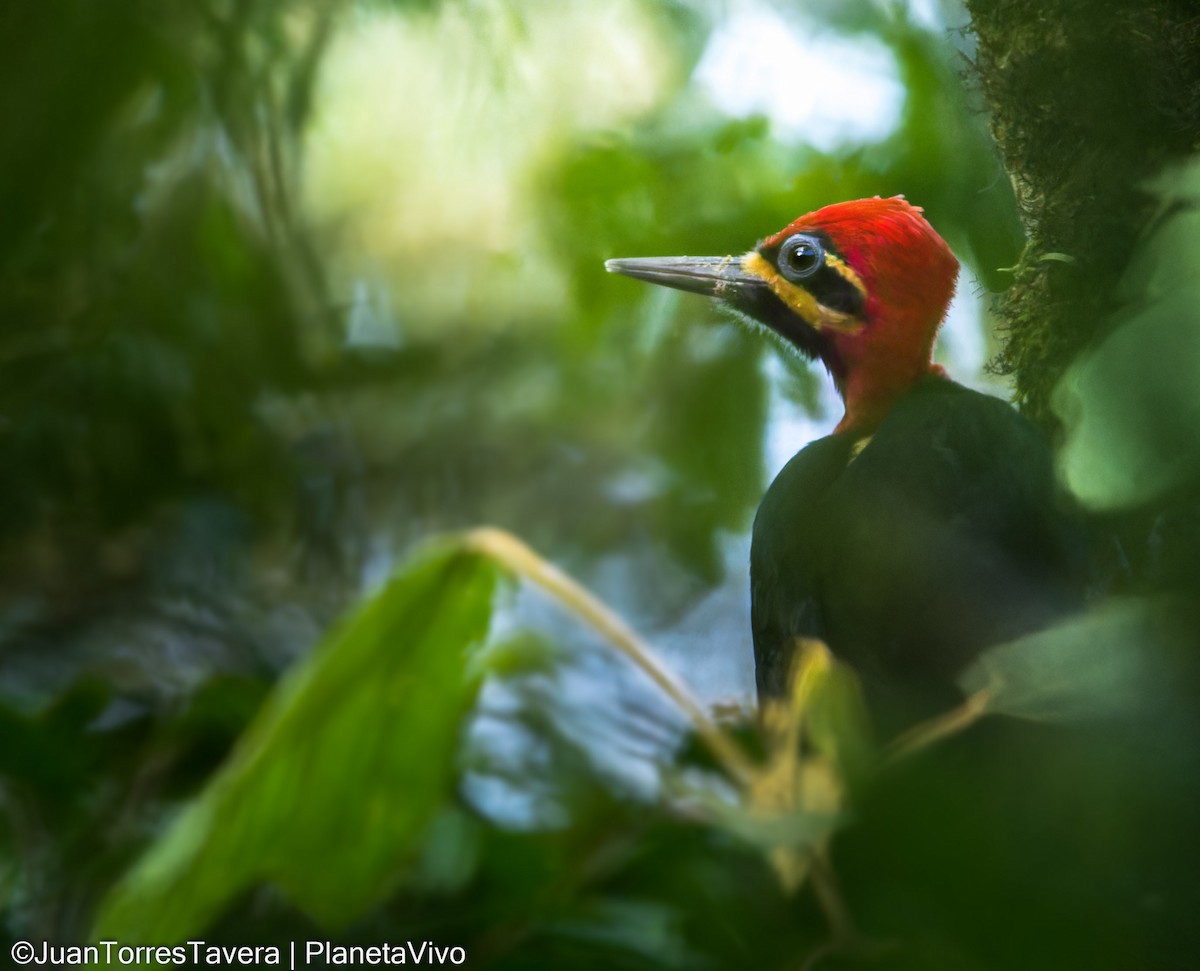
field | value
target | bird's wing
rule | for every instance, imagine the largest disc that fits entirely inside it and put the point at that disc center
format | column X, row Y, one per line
column 947, row 534
column 943, row 536
column 784, row 600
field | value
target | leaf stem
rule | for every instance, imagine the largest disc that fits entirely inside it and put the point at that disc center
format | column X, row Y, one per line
column 925, row 733
column 516, row 556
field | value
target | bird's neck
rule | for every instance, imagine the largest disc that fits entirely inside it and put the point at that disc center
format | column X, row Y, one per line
column 869, row 394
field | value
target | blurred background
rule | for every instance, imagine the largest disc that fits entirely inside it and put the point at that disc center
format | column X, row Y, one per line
column 287, row 288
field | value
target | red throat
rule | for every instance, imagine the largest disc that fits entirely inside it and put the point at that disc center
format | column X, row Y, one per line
column 909, row 275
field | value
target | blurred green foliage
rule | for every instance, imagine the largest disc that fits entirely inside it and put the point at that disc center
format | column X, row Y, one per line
column 402, row 663
column 1131, row 404
column 227, row 408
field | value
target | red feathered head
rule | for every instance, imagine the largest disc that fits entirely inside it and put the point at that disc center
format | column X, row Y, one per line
column 862, row 285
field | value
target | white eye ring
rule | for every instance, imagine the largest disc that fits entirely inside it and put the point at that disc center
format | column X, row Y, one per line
column 800, row 256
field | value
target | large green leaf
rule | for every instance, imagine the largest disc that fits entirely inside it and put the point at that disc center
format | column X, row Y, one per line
column 1107, row 662
column 334, row 783
column 1130, row 405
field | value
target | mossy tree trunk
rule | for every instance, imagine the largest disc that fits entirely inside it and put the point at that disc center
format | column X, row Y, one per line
column 1089, row 99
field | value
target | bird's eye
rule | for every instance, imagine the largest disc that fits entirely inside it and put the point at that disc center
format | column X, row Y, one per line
column 799, row 257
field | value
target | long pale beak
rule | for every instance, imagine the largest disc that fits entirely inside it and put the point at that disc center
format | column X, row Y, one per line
column 713, row 276
column 729, row 280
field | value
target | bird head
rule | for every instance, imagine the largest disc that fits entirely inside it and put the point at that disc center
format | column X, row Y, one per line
column 862, row 285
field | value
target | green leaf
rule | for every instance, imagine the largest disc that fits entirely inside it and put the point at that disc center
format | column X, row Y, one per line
column 1101, row 664
column 332, row 786
column 839, row 726
column 1130, row 406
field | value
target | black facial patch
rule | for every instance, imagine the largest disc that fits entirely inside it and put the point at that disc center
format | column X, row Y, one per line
column 834, row 291
column 828, row 287
column 759, row 303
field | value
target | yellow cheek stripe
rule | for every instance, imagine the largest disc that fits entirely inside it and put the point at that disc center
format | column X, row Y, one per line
column 846, row 272
column 800, row 300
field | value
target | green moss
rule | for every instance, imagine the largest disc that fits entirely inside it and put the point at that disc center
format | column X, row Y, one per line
column 1088, row 100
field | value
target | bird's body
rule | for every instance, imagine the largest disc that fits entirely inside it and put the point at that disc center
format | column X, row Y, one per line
column 913, row 550
column 927, row 526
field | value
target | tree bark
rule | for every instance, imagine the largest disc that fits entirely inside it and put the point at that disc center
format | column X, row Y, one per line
column 1088, row 100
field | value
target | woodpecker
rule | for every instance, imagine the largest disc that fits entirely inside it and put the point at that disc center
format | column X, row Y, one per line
column 928, row 525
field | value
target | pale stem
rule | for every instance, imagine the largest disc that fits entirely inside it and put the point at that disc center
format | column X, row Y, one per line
column 515, row 555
